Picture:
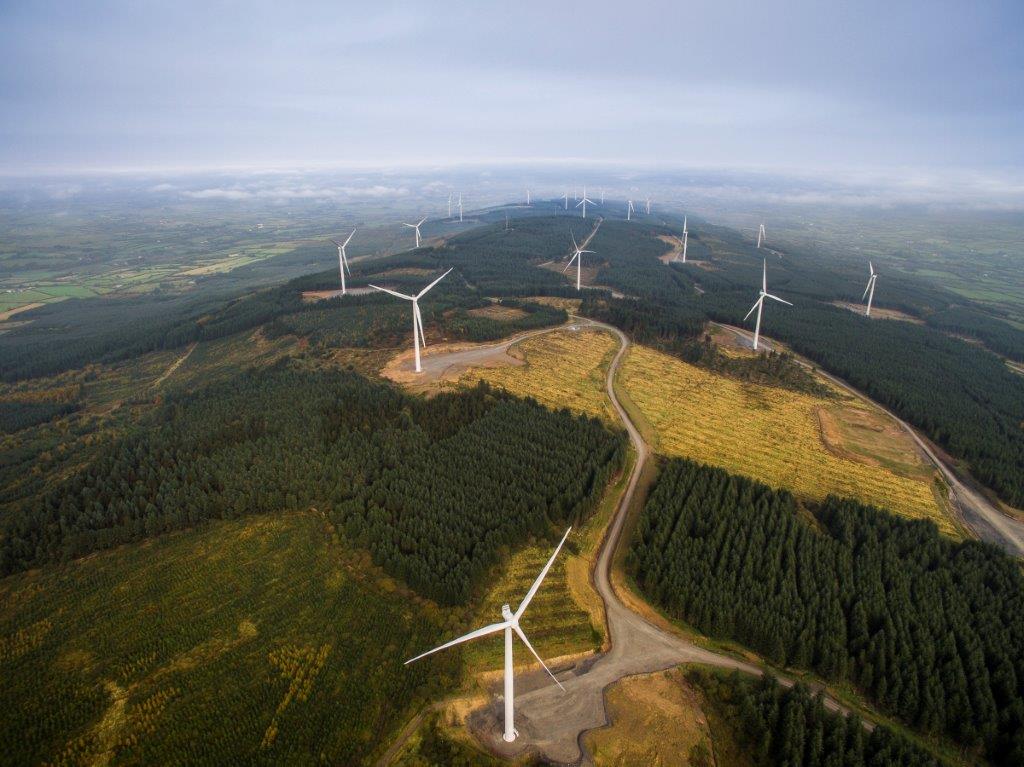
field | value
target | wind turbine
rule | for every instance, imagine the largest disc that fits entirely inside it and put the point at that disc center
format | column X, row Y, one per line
column 629, row 211
column 759, row 304
column 648, row 206
column 343, row 259
column 577, row 256
column 449, row 205
column 686, row 239
column 460, row 207
column 869, row 291
column 417, row 318
column 508, row 625
column 527, row 198
column 761, row 235
column 566, row 198
column 602, row 195
column 584, row 202
column 416, row 226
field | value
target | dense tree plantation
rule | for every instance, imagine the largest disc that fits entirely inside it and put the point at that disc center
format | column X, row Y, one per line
column 15, row 416
column 435, row 489
column 775, row 725
column 999, row 336
column 929, row 629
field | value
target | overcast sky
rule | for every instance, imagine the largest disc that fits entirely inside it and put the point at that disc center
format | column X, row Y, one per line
column 800, row 85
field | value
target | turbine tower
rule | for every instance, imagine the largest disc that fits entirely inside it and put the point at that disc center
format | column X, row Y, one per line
column 577, row 256
column 509, row 624
column 759, row 304
column 648, row 206
column 527, row 198
column 686, row 239
column 566, row 198
column 416, row 226
column 584, row 202
column 449, row 205
column 869, row 291
column 760, row 235
column 417, row 318
column 602, row 195
column 629, row 211
column 460, row 207
column 343, row 259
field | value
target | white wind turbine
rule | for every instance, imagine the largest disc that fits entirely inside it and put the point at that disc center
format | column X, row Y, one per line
column 759, row 304
column 648, row 206
column 629, row 211
column 566, row 198
column 527, row 198
column 584, row 202
column 686, row 239
column 449, row 204
column 508, row 625
column 417, row 318
column 760, row 235
column 869, row 291
column 343, row 259
column 577, row 256
column 602, row 195
column 416, row 226
column 460, row 207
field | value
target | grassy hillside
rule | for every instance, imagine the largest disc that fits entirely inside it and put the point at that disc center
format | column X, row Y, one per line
column 778, row 436
column 260, row 641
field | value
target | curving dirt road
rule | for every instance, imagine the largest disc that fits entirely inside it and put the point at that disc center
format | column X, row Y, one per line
column 982, row 516
column 551, row 722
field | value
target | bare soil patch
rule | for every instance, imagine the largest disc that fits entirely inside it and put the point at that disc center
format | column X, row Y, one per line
column 4, row 316
column 498, row 312
column 877, row 313
column 655, row 719
column 675, row 244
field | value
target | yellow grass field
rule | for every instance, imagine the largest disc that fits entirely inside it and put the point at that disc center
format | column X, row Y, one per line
column 775, row 435
column 656, row 719
column 564, row 368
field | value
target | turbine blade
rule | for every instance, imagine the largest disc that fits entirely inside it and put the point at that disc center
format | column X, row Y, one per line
column 536, row 583
column 392, row 292
column 519, row 631
column 411, row 226
column 866, row 289
column 350, row 237
column 577, row 255
column 492, row 629
column 764, row 276
column 574, row 245
column 421, row 221
column 758, row 301
column 780, row 300
column 871, row 268
column 419, row 324
column 424, row 291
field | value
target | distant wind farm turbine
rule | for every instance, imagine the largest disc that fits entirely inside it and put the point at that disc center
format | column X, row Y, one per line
column 584, row 202
column 416, row 227
column 508, row 625
column 577, row 256
column 869, row 291
column 417, row 318
column 343, row 259
column 760, row 235
column 759, row 304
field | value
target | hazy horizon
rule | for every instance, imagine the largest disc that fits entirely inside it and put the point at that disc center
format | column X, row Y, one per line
column 922, row 89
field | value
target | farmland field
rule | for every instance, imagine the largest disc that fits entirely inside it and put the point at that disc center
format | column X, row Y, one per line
column 775, row 435
column 261, row 639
